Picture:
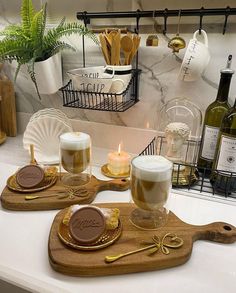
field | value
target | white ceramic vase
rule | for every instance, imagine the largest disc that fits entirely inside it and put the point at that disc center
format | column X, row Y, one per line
column 48, row 74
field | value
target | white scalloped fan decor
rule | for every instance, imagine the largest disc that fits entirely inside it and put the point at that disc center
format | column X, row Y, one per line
column 43, row 132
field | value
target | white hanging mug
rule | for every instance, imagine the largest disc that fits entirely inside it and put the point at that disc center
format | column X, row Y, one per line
column 196, row 58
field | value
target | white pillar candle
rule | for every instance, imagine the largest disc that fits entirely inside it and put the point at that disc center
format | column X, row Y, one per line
column 118, row 162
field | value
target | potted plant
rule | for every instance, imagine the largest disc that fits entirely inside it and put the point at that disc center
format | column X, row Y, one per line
column 39, row 49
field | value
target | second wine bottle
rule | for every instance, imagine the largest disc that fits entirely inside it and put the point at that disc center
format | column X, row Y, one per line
column 212, row 121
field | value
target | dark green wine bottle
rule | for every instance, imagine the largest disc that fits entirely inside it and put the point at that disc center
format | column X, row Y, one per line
column 212, row 121
column 223, row 177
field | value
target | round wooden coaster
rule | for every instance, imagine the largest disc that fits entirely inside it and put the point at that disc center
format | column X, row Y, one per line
column 105, row 171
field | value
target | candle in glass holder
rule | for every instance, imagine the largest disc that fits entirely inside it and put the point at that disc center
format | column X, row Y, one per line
column 118, row 162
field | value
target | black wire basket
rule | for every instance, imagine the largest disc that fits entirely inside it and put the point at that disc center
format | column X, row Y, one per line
column 103, row 101
column 199, row 180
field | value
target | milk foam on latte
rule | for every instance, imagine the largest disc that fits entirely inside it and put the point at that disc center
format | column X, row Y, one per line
column 150, row 181
column 75, row 151
column 74, row 141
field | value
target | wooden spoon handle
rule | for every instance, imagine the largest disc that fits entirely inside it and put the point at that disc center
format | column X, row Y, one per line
column 104, row 48
column 116, row 185
column 136, row 42
column 113, row 50
column 217, row 232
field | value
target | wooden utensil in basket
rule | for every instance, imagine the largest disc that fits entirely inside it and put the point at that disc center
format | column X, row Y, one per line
column 113, row 44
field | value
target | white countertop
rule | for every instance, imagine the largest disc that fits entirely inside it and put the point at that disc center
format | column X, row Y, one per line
column 24, row 256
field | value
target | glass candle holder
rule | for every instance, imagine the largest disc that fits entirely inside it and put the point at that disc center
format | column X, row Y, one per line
column 150, row 186
column 75, row 158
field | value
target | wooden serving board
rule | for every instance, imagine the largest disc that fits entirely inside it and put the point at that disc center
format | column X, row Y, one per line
column 12, row 200
column 91, row 263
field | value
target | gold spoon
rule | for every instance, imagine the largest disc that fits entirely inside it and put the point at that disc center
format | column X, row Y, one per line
column 32, row 197
column 61, row 194
column 112, row 258
column 126, row 44
column 32, row 159
column 157, row 243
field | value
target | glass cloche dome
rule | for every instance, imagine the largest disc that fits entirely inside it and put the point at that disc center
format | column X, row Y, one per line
column 179, row 122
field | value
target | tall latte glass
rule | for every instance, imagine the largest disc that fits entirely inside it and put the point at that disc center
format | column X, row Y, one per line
column 150, row 186
column 75, row 156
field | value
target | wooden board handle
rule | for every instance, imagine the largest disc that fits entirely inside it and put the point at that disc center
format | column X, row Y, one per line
column 217, row 232
column 116, row 185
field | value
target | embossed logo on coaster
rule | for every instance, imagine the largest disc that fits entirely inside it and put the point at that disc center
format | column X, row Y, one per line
column 87, row 224
column 29, row 176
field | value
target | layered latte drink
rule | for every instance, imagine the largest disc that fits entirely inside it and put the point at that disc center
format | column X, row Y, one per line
column 150, row 183
column 75, row 152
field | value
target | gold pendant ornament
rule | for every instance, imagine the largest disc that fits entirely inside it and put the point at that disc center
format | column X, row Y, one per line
column 177, row 43
column 152, row 40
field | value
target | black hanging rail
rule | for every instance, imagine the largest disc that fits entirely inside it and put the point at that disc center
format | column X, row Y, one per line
column 201, row 12
column 157, row 13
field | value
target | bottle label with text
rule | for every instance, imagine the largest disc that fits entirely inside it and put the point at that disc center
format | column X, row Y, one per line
column 209, row 142
column 227, row 154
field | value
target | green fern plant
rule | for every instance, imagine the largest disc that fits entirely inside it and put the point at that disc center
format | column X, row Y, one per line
column 30, row 42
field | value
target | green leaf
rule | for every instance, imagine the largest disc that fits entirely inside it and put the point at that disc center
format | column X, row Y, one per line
column 68, row 29
column 12, row 31
column 15, row 50
column 37, row 29
column 27, row 14
column 61, row 22
column 59, row 46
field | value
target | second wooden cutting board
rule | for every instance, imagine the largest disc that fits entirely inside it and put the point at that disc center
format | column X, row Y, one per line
column 92, row 263
column 84, row 195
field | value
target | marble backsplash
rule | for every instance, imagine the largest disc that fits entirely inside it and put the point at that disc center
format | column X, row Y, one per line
column 158, row 82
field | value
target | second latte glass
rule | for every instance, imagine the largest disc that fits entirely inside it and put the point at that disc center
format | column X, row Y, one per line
column 75, row 158
column 150, row 186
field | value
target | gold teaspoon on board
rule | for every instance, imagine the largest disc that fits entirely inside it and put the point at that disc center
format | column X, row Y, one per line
column 170, row 240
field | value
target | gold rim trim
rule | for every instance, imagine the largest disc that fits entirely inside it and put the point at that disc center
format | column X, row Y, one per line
column 105, row 171
column 46, row 183
column 106, row 239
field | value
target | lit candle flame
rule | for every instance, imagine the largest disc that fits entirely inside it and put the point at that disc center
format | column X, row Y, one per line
column 119, row 149
column 148, row 125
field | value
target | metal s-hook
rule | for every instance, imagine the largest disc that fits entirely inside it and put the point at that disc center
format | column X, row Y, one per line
column 137, row 20
column 200, row 23
column 227, row 12
column 154, row 17
column 86, row 19
column 165, row 21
